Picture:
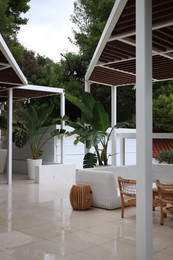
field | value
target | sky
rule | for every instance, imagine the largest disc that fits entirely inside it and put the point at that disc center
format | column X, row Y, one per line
column 48, row 28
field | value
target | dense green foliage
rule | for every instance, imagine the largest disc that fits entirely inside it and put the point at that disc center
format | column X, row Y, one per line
column 11, row 19
column 163, row 113
column 89, row 18
column 165, row 157
column 72, row 72
column 126, row 99
column 163, row 107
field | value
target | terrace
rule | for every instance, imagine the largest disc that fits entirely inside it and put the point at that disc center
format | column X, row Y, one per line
column 37, row 222
column 136, row 49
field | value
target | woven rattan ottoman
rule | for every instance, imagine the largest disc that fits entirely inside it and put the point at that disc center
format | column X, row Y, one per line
column 81, row 197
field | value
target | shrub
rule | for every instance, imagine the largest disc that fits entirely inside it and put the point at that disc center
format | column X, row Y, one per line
column 165, row 156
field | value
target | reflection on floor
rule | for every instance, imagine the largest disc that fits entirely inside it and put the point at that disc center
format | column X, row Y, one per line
column 37, row 222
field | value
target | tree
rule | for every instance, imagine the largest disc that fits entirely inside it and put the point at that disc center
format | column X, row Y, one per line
column 163, row 113
column 162, row 88
column 90, row 17
column 72, row 72
column 11, row 19
column 126, row 101
column 163, row 106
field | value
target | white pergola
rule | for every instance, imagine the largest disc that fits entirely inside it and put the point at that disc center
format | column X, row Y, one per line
column 13, row 87
column 136, row 47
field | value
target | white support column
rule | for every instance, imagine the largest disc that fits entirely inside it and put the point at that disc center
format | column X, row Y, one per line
column 144, row 221
column 0, row 129
column 9, row 145
column 62, row 112
column 113, row 122
column 87, row 86
column 122, row 150
column 87, row 89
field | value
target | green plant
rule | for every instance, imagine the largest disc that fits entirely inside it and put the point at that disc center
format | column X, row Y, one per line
column 90, row 160
column 26, row 128
column 91, row 128
column 165, row 156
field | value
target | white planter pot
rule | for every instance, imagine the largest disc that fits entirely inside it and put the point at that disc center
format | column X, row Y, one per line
column 31, row 163
column 3, row 157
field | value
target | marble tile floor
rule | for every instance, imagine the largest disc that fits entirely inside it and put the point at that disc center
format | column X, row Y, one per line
column 37, row 222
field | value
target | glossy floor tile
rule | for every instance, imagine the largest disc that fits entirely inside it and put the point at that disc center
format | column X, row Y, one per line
column 37, row 222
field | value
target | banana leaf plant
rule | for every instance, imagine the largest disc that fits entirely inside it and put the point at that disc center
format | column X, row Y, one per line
column 91, row 128
column 26, row 129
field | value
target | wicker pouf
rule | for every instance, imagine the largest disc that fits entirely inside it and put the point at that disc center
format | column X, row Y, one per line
column 81, row 196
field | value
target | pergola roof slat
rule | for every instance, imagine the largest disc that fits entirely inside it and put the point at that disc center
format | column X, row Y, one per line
column 11, row 76
column 117, row 46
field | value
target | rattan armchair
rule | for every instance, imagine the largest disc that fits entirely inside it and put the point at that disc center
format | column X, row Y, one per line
column 127, row 193
column 165, row 192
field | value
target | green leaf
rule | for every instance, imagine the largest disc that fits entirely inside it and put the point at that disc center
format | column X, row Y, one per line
column 86, row 113
column 100, row 117
column 90, row 160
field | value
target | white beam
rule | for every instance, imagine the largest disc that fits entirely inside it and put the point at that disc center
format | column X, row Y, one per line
column 62, row 111
column 87, row 86
column 122, row 150
column 42, row 88
column 144, row 241
column 127, row 34
column 6, row 52
column 101, row 83
column 113, row 18
column 9, row 145
column 113, row 122
column 87, row 89
column 118, row 70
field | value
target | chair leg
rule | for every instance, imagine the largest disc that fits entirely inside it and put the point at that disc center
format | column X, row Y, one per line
column 153, row 202
column 161, row 216
column 122, row 211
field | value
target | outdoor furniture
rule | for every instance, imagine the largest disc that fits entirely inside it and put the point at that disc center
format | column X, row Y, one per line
column 156, row 201
column 103, row 181
column 165, row 192
column 128, row 194
column 104, row 184
column 81, row 197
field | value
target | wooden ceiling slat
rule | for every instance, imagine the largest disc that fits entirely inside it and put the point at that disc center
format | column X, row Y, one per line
column 121, row 50
column 8, row 75
column 164, row 40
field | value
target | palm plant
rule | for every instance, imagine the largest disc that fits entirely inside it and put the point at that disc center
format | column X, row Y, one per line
column 26, row 128
column 91, row 128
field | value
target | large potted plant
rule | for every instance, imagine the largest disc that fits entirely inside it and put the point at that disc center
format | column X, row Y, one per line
column 92, row 128
column 26, row 129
